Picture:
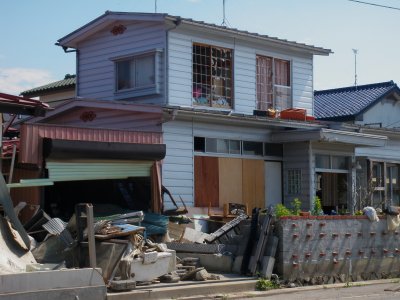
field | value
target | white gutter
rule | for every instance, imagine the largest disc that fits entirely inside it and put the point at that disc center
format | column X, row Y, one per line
column 330, row 136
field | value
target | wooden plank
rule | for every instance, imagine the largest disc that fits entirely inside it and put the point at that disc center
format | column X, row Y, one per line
column 230, row 180
column 206, row 181
column 248, row 185
column 253, row 183
column 259, row 183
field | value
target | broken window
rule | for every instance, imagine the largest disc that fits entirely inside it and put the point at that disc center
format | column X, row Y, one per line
column 273, row 83
column 212, row 76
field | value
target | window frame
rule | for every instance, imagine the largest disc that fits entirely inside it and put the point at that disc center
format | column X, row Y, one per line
column 294, row 181
column 274, row 103
column 141, row 90
column 211, row 95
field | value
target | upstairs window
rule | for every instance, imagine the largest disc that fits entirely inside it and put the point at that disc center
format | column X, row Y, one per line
column 135, row 72
column 212, row 76
column 273, row 83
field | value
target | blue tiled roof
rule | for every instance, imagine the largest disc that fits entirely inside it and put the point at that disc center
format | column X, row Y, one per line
column 348, row 102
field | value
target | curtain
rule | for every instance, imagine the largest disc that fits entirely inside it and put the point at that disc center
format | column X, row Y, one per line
column 282, row 73
column 264, row 83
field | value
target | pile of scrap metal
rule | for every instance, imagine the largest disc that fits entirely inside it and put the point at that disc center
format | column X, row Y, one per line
column 241, row 245
column 118, row 246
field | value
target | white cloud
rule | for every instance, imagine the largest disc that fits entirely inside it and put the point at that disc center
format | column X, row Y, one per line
column 16, row 80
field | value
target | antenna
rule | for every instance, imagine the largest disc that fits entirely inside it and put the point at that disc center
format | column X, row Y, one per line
column 223, row 13
column 155, row 6
column 355, row 51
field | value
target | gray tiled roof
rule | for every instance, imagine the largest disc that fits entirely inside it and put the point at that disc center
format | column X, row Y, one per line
column 178, row 20
column 347, row 102
column 54, row 86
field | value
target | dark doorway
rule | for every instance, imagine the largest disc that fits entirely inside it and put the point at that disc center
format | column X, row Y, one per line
column 332, row 189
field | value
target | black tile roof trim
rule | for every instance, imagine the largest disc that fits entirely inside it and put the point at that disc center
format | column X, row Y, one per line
column 355, row 88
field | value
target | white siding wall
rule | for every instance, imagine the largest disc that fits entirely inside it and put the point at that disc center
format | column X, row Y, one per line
column 177, row 168
column 386, row 112
column 180, row 70
column 96, row 70
column 389, row 152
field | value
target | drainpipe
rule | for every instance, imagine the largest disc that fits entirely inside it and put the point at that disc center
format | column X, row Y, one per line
column 66, row 50
column 177, row 22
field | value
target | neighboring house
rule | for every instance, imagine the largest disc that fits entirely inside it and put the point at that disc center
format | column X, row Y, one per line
column 54, row 93
column 209, row 80
column 372, row 109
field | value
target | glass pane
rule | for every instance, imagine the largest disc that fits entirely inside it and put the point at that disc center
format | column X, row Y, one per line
column 273, row 149
column 392, row 185
column 199, row 144
column 283, row 96
column 377, row 175
column 234, row 147
column 124, row 74
column 340, row 162
column 322, row 161
column 222, row 146
column 211, row 145
column 145, row 70
column 252, row 148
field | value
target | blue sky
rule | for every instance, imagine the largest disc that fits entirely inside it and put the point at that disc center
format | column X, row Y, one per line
column 30, row 28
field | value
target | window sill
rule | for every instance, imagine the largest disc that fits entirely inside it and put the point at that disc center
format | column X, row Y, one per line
column 137, row 92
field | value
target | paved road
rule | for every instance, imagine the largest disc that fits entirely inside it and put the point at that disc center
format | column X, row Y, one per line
column 354, row 292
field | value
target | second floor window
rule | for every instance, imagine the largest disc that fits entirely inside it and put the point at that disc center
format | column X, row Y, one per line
column 273, row 83
column 136, row 72
column 212, row 76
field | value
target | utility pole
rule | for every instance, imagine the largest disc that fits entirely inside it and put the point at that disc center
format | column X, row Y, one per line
column 355, row 51
column 155, row 6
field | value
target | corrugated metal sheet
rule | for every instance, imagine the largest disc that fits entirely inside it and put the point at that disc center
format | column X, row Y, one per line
column 33, row 134
column 97, row 169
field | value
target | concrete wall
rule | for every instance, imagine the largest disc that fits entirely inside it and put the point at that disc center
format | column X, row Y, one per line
column 328, row 249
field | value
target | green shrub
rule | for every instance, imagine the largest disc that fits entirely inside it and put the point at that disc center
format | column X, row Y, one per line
column 317, row 207
column 296, row 206
column 263, row 284
column 282, row 211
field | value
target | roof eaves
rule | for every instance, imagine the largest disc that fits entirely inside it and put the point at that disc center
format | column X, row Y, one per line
column 310, row 48
column 66, row 41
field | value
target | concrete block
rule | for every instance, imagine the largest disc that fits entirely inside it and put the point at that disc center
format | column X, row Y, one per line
column 267, row 266
column 212, row 262
column 147, row 272
column 237, row 264
column 53, row 285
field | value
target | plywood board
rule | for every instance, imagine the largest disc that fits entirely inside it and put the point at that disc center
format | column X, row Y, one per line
column 259, row 183
column 230, row 180
column 206, row 181
column 253, row 183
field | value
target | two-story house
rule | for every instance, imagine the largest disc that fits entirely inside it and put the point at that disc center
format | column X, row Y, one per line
column 374, row 109
column 208, row 80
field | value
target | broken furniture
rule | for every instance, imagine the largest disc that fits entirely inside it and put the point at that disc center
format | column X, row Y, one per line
column 177, row 210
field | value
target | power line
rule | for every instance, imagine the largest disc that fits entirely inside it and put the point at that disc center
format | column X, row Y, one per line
column 374, row 4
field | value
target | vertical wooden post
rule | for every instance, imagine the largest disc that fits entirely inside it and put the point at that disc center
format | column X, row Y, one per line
column 91, row 241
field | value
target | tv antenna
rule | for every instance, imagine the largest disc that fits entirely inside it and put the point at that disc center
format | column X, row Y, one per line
column 355, row 51
column 223, row 13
